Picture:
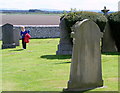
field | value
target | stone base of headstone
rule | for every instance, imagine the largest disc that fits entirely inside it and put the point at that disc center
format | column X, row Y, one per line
column 17, row 44
column 108, row 50
column 64, row 49
column 85, row 87
column 5, row 46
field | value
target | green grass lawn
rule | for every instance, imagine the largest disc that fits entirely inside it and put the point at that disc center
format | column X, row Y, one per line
column 38, row 68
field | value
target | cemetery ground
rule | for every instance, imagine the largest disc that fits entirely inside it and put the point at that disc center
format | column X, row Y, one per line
column 38, row 68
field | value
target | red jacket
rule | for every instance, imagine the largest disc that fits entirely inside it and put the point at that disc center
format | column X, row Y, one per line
column 27, row 38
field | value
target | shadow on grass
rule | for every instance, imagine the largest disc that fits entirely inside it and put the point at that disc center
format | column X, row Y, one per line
column 111, row 53
column 17, row 50
column 63, row 63
column 40, row 92
column 60, row 92
column 56, row 56
column 87, row 91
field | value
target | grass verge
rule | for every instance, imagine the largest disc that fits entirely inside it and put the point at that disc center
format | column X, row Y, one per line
column 38, row 68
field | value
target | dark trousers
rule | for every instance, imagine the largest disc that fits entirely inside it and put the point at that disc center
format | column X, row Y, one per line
column 23, row 43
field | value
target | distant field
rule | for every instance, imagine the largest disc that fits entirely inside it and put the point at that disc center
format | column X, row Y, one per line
column 30, row 19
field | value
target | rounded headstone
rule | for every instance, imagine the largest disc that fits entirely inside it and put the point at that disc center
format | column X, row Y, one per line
column 85, row 72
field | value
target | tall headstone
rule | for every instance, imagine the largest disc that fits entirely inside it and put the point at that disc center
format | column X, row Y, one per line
column 16, row 37
column 7, row 36
column 108, row 43
column 65, row 44
column 85, row 72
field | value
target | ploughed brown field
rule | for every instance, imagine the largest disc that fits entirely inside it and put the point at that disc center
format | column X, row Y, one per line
column 29, row 19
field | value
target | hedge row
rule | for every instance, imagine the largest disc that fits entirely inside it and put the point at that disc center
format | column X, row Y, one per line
column 114, row 21
column 72, row 17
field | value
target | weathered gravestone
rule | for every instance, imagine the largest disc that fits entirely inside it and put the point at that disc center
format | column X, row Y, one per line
column 86, row 57
column 7, row 36
column 16, row 37
column 65, row 45
column 108, row 43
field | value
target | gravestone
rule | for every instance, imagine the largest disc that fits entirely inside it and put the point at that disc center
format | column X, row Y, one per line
column 16, row 37
column 65, row 44
column 108, row 43
column 7, row 36
column 85, row 72
column 105, row 11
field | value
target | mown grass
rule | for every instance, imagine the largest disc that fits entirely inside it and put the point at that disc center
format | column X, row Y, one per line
column 38, row 68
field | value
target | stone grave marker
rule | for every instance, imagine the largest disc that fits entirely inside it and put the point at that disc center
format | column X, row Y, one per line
column 16, row 37
column 65, row 44
column 108, row 43
column 85, row 72
column 7, row 36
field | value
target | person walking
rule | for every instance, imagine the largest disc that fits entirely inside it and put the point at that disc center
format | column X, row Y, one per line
column 23, row 33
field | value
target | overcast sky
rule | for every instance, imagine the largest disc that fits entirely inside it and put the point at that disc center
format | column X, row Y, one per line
column 60, row 4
